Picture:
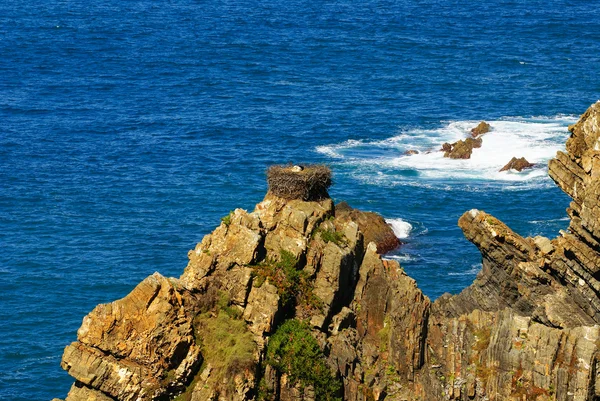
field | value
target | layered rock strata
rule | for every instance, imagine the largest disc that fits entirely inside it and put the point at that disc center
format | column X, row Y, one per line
column 526, row 329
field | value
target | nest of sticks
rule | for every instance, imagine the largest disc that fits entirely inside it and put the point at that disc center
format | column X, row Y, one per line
column 307, row 182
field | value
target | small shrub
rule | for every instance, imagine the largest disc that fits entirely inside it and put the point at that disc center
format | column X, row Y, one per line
column 292, row 350
column 227, row 219
column 332, row 236
column 292, row 284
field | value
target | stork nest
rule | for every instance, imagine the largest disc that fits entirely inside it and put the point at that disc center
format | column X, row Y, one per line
column 308, row 182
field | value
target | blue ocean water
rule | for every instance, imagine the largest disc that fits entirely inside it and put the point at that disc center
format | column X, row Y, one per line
column 128, row 128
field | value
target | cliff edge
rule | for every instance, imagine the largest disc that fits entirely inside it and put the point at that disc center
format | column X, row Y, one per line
column 289, row 302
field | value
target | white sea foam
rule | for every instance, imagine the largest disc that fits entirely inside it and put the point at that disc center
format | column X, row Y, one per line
column 400, row 227
column 549, row 220
column 383, row 162
column 470, row 272
column 399, row 258
column 333, row 150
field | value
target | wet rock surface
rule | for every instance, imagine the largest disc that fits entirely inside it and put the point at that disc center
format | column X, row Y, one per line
column 461, row 149
column 526, row 329
column 519, row 164
column 480, row 129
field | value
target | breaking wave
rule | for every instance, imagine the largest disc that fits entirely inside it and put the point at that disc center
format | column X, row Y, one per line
column 385, row 163
column 400, row 227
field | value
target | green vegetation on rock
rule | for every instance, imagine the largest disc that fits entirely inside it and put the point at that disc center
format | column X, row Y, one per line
column 292, row 284
column 227, row 345
column 294, row 351
column 227, row 219
column 332, row 236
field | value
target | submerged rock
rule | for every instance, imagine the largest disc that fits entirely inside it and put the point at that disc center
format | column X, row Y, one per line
column 482, row 128
column 527, row 328
column 517, row 164
column 411, row 152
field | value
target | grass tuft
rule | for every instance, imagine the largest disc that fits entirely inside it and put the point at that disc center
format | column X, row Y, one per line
column 227, row 345
column 292, row 350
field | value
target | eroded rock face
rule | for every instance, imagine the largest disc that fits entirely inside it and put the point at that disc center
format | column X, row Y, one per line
column 372, row 225
column 528, row 328
column 137, row 348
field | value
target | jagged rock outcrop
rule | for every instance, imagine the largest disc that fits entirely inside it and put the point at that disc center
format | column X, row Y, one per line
column 519, row 164
column 372, row 225
column 480, row 129
column 461, row 149
column 137, row 348
column 528, row 328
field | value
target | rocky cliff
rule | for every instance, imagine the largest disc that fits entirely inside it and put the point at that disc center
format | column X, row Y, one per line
column 289, row 302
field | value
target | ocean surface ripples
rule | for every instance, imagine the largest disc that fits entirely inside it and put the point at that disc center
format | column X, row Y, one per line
column 128, row 128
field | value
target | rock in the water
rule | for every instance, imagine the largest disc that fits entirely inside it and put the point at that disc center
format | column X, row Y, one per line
column 527, row 328
column 482, row 128
column 517, row 164
column 411, row 152
column 372, row 225
column 461, row 149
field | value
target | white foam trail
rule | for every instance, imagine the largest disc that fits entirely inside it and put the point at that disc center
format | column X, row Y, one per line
column 471, row 272
column 549, row 220
column 383, row 162
column 333, row 150
column 400, row 227
column 399, row 258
